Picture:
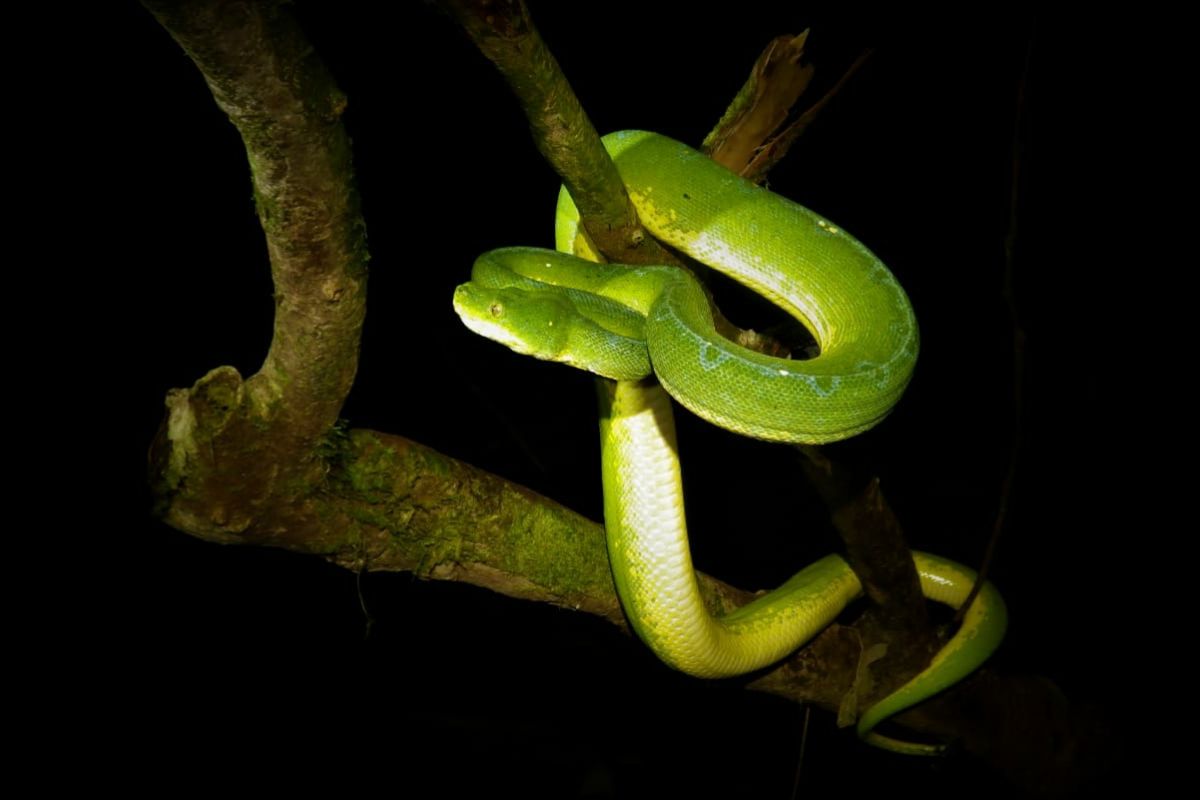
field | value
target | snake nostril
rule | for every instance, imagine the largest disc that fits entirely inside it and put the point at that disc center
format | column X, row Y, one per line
column 496, row 309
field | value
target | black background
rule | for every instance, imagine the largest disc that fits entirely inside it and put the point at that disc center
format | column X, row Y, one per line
column 222, row 658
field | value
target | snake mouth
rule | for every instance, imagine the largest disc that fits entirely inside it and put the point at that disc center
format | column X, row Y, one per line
column 481, row 312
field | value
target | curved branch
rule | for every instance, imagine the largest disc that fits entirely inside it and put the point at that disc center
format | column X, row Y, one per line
column 287, row 109
column 261, row 461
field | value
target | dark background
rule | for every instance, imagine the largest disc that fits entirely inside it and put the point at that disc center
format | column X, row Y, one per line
column 219, row 657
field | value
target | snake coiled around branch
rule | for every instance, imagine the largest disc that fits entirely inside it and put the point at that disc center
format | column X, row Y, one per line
column 650, row 331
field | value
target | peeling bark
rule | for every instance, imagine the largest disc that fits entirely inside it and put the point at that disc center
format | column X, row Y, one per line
column 262, row 460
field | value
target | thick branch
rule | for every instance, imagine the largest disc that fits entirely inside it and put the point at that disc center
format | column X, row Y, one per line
column 260, row 461
column 264, row 75
column 390, row 504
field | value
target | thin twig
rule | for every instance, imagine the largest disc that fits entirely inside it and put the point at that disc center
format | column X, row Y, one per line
column 1018, row 335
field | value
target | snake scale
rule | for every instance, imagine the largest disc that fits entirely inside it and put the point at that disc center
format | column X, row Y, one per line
column 650, row 331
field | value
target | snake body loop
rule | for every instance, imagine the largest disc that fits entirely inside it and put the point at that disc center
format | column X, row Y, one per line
column 634, row 325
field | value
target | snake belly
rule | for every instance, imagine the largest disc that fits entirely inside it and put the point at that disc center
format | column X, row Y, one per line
column 634, row 324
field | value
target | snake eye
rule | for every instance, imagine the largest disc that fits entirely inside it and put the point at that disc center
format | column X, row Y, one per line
column 496, row 309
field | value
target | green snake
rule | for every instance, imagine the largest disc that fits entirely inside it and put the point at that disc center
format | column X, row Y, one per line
column 651, row 329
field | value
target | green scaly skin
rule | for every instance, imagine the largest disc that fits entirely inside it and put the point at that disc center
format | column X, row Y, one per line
column 638, row 324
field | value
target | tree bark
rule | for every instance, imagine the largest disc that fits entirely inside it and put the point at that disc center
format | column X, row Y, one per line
column 262, row 460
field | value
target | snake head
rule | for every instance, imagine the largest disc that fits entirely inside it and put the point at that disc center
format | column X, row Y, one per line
column 526, row 322
column 579, row 329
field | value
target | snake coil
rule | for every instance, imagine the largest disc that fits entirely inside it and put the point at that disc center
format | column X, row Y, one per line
column 632, row 324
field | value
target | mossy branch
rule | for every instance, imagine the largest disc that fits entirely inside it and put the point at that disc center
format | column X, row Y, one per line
column 262, row 461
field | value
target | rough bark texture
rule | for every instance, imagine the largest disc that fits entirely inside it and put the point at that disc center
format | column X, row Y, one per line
column 504, row 32
column 262, row 460
column 283, row 101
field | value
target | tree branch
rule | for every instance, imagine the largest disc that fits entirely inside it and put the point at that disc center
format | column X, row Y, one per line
column 504, row 32
column 261, row 460
column 265, row 76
